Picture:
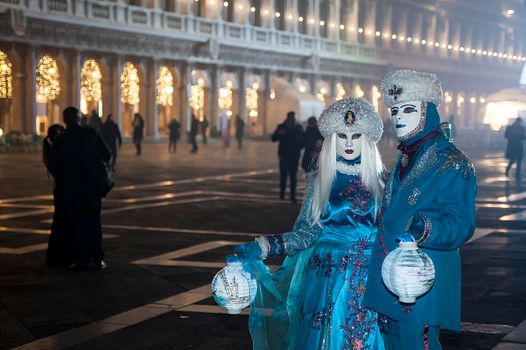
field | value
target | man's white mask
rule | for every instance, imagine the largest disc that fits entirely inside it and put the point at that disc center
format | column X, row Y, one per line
column 349, row 145
column 407, row 119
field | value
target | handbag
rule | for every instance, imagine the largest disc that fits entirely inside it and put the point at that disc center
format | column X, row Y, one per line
column 107, row 182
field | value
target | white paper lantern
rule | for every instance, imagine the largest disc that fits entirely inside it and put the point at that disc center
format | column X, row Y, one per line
column 233, row 287
column 408, row 272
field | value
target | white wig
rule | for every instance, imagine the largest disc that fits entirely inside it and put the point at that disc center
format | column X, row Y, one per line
column 371, row 171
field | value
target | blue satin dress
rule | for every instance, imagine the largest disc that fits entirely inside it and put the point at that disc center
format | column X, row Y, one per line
column 316, row 296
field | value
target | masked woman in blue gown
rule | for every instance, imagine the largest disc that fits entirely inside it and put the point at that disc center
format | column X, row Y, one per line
column 314, row 300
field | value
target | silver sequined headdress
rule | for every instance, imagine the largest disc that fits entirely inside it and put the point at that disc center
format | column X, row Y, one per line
column 351, row 115
column 408, row 85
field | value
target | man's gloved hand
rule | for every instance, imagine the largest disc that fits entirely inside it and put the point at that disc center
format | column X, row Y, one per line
column 251, row 250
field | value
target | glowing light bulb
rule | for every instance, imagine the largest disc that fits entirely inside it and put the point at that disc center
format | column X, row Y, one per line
column 342, row 27
column 277, row 14
column 409, row 39
column 290, row 17
column 225, row 4
column 322, row 23
column 377, row 33
column 300, row 19
column 393, row 36
column 360, row 30
column 252, row 9
column 333, row 25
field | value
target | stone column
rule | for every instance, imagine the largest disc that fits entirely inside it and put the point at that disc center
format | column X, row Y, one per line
column 351, row 20
column 267, row 14
column 333, row 28
column 443, row 36
column 370, row 23
column 153, row 108
column 387, row 24
column 117, row 93
column 242, row 100
column 313, row 18
column 29, row 121
column 291, row 9
column 214, row 95
column 184, row 93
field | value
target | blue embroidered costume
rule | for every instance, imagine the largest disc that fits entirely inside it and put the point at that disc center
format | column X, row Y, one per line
column 314, row 301
column 430, row 194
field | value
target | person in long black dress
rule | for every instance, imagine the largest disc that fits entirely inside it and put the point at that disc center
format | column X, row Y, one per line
column 78, row 158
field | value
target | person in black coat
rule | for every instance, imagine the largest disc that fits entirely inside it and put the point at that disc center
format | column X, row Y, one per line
column 240, row 130
column 138, row 130
column 78, row 159
column 110, row 133
column 312, row 141
column 290, row 137
column 514, row 151
column 174, row 129
column 194, row 129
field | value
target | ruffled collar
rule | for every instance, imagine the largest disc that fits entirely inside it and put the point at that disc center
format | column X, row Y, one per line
column 348, row 167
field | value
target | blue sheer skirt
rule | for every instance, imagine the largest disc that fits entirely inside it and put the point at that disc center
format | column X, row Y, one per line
column 314, row 300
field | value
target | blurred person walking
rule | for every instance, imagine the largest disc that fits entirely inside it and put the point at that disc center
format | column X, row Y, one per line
column 110, row 133
column 289, row 134
column 312, row 141
column 95, row 121
column 138, row 132
column 240, row 131
column 77, row 159
column 204, row 127
column 194, row 129
column 514, row 151
column 174, row 129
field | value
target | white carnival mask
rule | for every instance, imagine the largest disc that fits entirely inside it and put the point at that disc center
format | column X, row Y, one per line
column 408, row 119
column 348, row 145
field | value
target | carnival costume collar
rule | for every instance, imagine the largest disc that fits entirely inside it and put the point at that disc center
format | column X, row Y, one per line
column 348, row 167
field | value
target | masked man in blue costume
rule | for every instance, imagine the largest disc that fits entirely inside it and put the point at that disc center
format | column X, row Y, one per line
column 429, row 197
column 314, row 301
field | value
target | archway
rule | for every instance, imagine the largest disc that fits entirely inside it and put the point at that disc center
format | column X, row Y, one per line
column 91, row 87
column 164, row 97
column 6, row 92
column 130, row 96
column 47, row 91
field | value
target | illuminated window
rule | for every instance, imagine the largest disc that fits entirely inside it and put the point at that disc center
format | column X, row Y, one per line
column 130, row 84
column 6, row 88
column 252, row 100
column 47, row 79
column 165, row 87
column 90, row 77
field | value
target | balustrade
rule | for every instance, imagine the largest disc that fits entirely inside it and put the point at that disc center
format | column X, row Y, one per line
column 148, row 13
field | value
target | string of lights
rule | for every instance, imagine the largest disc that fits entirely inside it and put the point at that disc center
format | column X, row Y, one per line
column 6, row 88
column 414, row 40
column 90, row 77
column 165, row 87
column 47, row 79
column 130, row 84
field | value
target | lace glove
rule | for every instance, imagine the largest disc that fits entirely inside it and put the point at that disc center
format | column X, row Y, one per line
column 263, row 247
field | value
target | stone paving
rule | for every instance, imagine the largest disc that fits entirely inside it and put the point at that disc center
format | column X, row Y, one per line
column 168, row 225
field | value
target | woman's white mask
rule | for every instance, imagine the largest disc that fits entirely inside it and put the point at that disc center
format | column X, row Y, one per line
column 407, row 119
column 348, row 145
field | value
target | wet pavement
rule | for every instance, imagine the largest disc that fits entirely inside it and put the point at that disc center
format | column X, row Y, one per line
column 168, row 225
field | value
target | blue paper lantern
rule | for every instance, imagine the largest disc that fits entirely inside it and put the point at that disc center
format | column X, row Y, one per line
column 408, row 272
column 233, row 287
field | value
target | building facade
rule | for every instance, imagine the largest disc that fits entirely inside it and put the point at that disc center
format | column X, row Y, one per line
column 216, row 59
